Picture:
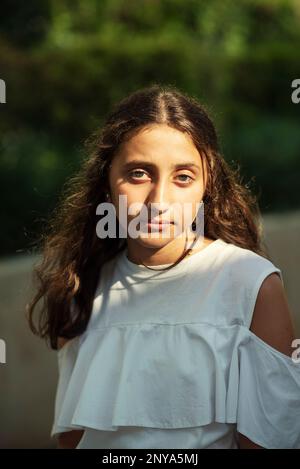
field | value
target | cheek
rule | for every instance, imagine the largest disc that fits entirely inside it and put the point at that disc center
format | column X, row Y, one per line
column 125, row 196
column 197, row 190
column 190, row 203
column 134, row 193
column 191, row 195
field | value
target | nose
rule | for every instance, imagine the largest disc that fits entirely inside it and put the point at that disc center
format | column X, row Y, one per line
column 157, row 200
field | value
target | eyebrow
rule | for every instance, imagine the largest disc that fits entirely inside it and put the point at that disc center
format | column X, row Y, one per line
column 184, row 164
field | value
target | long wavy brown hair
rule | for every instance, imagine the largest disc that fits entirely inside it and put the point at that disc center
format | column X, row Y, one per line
column 73, row 255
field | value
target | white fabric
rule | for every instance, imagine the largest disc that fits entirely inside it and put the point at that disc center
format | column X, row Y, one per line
column 168, row 360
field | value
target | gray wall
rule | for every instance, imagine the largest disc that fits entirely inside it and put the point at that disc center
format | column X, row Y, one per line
column 28, row 379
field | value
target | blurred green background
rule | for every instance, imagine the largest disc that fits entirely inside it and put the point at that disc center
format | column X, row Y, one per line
column 65, row 63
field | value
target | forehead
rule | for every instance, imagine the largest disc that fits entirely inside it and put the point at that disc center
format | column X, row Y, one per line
column 159, row 141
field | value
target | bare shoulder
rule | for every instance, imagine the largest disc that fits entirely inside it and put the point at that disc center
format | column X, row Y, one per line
column 272, row 320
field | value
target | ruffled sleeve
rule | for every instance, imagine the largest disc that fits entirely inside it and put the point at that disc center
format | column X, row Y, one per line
column 268, row 382
column 133, row 375
column 66, row 358
column 268, row 405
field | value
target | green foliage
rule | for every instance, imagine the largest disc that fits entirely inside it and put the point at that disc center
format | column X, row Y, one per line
column 33, row 169
column 24, row 24
column 64, row 74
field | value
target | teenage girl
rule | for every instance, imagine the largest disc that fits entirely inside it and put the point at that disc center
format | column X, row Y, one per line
column 160, row 345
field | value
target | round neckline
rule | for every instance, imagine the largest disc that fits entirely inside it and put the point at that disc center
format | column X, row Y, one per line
column 132, row 268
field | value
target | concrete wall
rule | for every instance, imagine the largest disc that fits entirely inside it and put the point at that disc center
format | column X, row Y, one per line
column 282, row 234
column 28, row 379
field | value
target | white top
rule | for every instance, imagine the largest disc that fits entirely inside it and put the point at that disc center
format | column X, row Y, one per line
column 168, row 360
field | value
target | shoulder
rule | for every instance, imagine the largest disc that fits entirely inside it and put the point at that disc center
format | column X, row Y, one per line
column 266, row 309
column 271, row 319
column 243, row 264
column 268, row 376
column 247, row 263
column 245, row 272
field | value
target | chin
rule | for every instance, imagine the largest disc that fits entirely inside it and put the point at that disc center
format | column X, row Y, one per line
column 152, row 242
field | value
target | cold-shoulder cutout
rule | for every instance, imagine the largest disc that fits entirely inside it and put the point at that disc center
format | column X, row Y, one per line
column 272, row 320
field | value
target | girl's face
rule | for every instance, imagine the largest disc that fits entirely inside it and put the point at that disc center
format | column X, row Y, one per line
column 157, row 167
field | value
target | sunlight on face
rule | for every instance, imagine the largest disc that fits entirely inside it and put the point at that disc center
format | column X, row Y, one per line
column 158, row 167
